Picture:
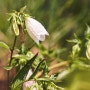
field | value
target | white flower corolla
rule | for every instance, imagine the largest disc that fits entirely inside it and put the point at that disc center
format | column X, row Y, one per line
column 35, row 29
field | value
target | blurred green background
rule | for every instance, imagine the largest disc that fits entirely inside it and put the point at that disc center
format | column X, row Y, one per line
column 61, row 18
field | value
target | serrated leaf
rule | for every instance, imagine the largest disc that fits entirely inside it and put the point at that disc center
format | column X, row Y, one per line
column 22, row 73
column 4, row 45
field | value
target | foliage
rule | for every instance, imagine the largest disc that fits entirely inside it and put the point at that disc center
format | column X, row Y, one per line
column 23, row 61
column 59, row 65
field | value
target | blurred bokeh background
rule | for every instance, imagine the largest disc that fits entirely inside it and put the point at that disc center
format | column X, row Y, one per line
column 61, row 18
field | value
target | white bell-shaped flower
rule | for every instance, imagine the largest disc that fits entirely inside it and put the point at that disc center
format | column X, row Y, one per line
column 35, row 29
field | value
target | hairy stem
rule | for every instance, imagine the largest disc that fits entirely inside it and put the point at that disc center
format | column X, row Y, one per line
column 12, row 49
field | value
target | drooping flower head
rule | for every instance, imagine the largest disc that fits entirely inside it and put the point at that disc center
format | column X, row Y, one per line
column 35, row 29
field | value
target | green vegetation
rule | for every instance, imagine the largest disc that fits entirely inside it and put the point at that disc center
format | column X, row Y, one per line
column 66, row 51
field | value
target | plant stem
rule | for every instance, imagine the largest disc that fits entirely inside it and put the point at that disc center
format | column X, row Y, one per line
column 12, row 49
column 8, row 72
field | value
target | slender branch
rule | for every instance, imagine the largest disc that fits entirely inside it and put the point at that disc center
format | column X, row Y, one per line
column 12, row 50
column 21, row 34
column 64, row 63
column 8, row 72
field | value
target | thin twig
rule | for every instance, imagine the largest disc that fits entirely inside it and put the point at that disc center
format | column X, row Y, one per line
column 8, row 72
column 12, row 50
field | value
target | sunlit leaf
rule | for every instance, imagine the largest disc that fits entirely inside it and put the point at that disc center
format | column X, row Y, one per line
column 55, row 86
column 17, row 56
column 87, row 32
column 15, row 28
column 22, row 9
column 47, row 79
column 76, row 40
column 63, row 74
column 4, row 45
column 8, row 67
column 73, row 41
column 75, row 50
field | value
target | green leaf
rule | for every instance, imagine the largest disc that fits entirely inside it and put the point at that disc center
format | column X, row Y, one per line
column 75, row 50
column 4, row 45
column 15, row 28
column 87, row 32
column 22, row 73
column 55, row 87
column 17, row 56
column 73, row 41
column 8, row 67
column 36, row 70
column 46, row 79
column 76, row 40
column 22, row 9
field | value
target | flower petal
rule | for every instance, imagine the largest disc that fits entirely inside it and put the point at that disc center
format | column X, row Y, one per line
column 29, row 74
column 35, row 29
column 39, row 28
column 42, row 37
